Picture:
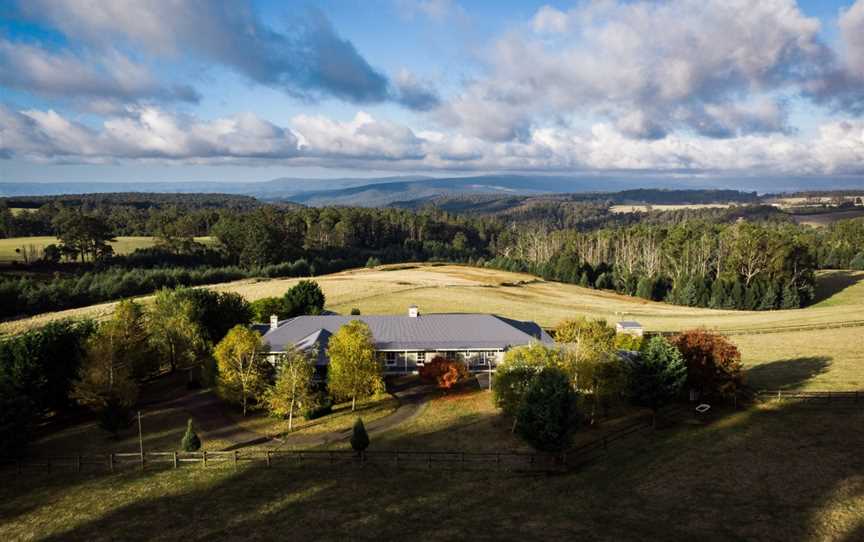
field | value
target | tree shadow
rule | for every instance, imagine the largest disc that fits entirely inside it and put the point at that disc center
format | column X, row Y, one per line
column 831, row 283
column 778, row 470
column 787, row 373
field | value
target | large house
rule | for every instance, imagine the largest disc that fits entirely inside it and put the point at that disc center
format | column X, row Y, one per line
column 405, row 343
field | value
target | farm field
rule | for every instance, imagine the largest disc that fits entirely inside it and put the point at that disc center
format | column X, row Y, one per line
column 123, row 245
column 453, row 288
column 640, row 208
column 801, row 464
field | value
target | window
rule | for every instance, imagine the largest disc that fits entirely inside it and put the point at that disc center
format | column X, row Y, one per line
column 421, row 358
column 390, row 358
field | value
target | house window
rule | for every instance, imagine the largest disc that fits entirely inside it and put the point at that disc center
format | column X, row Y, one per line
column 421, row 358
column 390, row 358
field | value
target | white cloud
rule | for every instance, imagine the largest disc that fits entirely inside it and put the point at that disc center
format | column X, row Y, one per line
column 851, row 24
column 109, row 74
column 152, row 134
column 718, row 68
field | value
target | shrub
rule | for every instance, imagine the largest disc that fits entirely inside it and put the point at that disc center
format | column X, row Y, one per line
column 858, row 262
column 626, row 341
column 190, row 441
column 114, row 416
column 444, row 373
column 373, row 262
column 659, row 374
column 319, row 407
column 545, row 414
column 359, row 437
column 355, row 312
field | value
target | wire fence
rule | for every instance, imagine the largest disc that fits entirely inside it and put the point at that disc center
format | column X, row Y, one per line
column 816, row 397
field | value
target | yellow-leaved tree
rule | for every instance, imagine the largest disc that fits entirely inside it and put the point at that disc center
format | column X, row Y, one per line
column 241, row 366
column 353, row 371
column 292, row 391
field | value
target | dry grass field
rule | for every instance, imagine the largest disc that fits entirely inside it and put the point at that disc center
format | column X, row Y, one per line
column 453, row 288
column 666, row 207
column 123, row 245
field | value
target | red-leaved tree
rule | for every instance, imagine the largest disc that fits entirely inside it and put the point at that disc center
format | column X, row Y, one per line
column 713, row 362
column 444, row 373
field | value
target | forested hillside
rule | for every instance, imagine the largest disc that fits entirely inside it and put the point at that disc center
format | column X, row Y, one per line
column 749, row 257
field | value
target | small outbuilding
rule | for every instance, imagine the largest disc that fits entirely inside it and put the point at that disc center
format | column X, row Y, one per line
column 630, row 327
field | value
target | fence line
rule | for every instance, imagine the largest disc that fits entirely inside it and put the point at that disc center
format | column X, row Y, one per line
column 854, row 397
column 779, row 329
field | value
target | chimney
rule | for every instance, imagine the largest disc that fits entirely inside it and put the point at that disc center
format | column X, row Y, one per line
column 274, row 321
column 413, row 311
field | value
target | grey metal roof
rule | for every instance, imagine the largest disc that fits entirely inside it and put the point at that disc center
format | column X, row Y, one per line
column 629, row 324
column 426, row 332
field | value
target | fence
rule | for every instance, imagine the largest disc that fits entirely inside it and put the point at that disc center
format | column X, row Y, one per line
column 824, row 397
column 778, row 329
column 394, row 459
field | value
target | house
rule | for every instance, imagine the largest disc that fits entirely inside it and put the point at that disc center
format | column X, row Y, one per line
column 404, row 343
column 630, row 327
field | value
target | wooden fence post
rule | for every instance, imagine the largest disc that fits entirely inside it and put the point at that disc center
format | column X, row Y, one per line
column 111, row 462
column 204, row 458
column 175, row 460
column 235, row 459
column 142, row 460
column 268, row 458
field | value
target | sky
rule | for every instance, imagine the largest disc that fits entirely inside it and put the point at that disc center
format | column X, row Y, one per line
column 244, row 90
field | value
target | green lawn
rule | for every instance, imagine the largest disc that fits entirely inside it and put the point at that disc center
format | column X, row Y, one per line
column 782, row 472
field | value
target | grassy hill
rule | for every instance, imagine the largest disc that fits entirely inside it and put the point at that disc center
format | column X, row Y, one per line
column 786, row 352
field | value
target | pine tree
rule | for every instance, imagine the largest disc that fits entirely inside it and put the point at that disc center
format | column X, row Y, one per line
column 791, row 297
column 190, row 442
column 585, row 282
column 359, row 437
column 737, row 295
column 718, row 295
column 769, row 300
column 645, row 288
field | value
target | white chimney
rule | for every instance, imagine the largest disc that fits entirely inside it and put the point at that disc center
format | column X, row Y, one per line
column 413, row 311
column 274, row 321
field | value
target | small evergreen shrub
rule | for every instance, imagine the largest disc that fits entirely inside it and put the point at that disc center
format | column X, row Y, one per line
column 190, row 442
column 359, row 437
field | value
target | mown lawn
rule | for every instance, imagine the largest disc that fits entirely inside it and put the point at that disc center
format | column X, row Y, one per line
column 781, row 472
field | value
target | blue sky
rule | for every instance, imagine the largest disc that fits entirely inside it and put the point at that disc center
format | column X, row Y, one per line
column 208, row 90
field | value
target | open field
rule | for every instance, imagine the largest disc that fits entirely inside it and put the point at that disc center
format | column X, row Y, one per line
column 453, row 288
column 123, row 245
column 781, row 472
column 667, row 207
column 820, row 220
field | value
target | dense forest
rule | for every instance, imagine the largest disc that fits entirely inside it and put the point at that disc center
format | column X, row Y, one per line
column 746, row 257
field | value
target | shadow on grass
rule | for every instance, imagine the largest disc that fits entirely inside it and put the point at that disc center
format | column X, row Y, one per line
column 787, row 373
column 784, row 472
column 831, row 283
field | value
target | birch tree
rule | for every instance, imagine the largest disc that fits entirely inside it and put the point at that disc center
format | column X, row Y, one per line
column 242, row 370
column 291, row 392
column 353, row 372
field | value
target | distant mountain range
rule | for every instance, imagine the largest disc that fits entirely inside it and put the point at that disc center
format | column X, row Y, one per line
column 382, row 191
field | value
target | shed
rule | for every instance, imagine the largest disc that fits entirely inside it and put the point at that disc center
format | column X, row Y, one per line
column 630, row 327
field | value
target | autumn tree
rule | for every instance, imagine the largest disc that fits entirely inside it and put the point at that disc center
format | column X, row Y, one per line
column 353, row 371
column 174, row 333
column 242, row 371
column 713, row 362
column 658, row 375
column 444, row 373
column 106, row 382
column 291, row 391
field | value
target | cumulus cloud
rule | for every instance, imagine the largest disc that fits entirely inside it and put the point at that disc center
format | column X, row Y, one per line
column 415, row 93
column 306, row 59
column 653, row 68
column 851, row 24
column 143, row 133
column 149, row 133
column 109, row 75
column 363, row 137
